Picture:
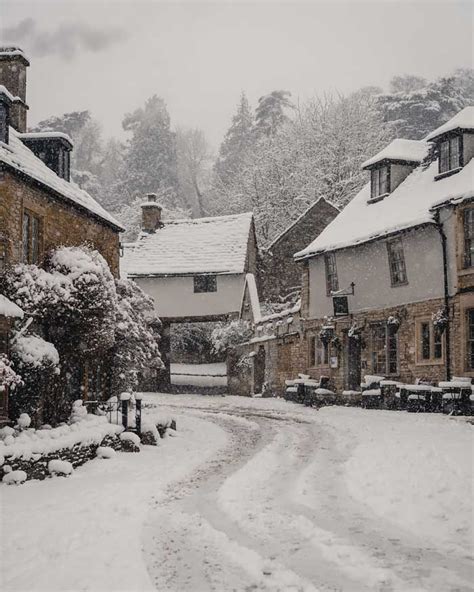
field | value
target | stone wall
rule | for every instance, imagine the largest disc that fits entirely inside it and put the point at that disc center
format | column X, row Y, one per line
column 60, row 224
column 280, row 274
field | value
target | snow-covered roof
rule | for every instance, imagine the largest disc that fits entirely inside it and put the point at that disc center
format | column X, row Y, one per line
column 181, row 247
column 9, row 308
column 463, row 120
column 19, row 157
column 400, row 150
column 45, row 136
column 407, row 206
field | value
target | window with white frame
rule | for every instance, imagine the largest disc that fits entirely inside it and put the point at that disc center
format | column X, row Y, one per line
column 332, row 282
column 380, row 181
column 384, row 350
column 429, row 342
column 450, row 154
column 319, row 352
column 396, row 261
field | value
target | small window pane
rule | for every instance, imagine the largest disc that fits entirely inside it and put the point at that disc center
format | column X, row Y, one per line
column 454, row 152
column 26, row 238
column 205, row 283
column 34, row 240
column 469, row 237
column 437, row 345
column 425, row 341
column 332, row 282
column 396, row 260
column 470, row 339
column 444, row 157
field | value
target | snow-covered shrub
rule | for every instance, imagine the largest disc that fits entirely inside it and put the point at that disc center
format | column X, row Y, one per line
column 38, row 363
column 130, row 442
column 14, row 477
column 440, row 320
column 8, row 377
column 136, row 336
column 60, row 467
column 228, row 336
column 105, row 452
column 24, row 421
column 78, row 412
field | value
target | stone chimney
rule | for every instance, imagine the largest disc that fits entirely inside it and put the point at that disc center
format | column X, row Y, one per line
column 13, row 64
column 151, row 214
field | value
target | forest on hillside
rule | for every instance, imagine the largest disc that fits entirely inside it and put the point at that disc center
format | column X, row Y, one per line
column 276, row 158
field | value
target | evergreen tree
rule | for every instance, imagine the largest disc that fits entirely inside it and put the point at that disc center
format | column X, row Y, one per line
column 270, row 114
column 150, row 158
column 237, row 143
column 415, row 113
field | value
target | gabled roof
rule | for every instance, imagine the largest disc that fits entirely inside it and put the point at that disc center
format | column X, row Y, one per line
column 185, row 247
column 300, row 217
column 463, row 120
column 409, row 205
column 17, row 157
column 410, row 151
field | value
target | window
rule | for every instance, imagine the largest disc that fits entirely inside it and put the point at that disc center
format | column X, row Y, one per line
column 205, row 283
column 469, row 237
column 332, row 283
column 31, row 238
column 396, row 261
column 450, row 154
column 470, row 339
column 384, row 350
column 3, row 256
column 320, row 353
column 430, row 342
column 380, row 184
column 3, row 123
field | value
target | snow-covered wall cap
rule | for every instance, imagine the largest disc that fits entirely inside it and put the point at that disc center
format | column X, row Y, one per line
column 7, row 52
column 410, row 151
column 4, row 91
column 46, row 135
column 463, row 120
column 9, row 308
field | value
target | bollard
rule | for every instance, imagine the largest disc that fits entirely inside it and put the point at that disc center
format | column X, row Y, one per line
column 138, row 416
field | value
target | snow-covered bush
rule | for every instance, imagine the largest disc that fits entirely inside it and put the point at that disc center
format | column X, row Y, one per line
column 60, row 467
column 105, row 452
column 14, row 477
column 8, row 377
column 136, row 336
column 228, row 336
column 38, row 362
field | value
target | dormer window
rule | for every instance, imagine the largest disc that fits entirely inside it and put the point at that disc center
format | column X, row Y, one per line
column 380, row 181
column 450, row 154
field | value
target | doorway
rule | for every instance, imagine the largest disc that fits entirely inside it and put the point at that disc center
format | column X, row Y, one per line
column 259, row 370
column 353, row 363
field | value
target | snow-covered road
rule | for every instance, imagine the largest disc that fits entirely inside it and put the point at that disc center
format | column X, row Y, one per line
column 256, row 494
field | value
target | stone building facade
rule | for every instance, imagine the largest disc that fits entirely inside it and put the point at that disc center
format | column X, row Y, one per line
column 280, row 275
column 40, row 209
column 388, row 286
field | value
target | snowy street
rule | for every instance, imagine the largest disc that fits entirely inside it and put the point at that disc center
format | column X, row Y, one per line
column 255, row 494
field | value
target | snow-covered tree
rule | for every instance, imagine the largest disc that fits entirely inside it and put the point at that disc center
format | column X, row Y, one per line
column 414, row 113
column 271, row 112
column 229, row 335
column 136, row 336
column 237, row 144
column 150, row 158
column 194, row 159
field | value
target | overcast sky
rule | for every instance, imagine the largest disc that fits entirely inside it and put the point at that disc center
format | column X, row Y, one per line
column 109, row 56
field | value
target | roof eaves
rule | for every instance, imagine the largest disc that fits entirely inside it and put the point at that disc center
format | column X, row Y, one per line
column 60, row 196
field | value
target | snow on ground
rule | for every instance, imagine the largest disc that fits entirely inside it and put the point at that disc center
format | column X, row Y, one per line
column 256, row 494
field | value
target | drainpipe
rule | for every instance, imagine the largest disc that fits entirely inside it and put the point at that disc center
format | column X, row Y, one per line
column 439, row 226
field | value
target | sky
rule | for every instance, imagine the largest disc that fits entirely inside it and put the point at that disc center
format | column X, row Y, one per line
column 109, row 56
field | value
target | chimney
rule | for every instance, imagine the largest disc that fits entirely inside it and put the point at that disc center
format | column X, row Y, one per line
column 6, row 101
column 151, row 214
column 13, row 64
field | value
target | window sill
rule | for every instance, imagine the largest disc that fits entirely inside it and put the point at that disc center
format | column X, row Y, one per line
column 377, row 198
column 447, row 173
column 429, row 362
column 399, row 285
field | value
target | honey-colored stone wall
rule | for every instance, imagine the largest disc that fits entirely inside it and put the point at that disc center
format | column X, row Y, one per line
column 61, row 224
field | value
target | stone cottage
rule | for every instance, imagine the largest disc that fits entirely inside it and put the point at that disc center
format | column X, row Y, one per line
column 194, row 269
column 40, row 208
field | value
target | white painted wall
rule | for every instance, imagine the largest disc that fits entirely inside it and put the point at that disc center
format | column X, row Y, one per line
column 367, row 266
column 175, row 297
